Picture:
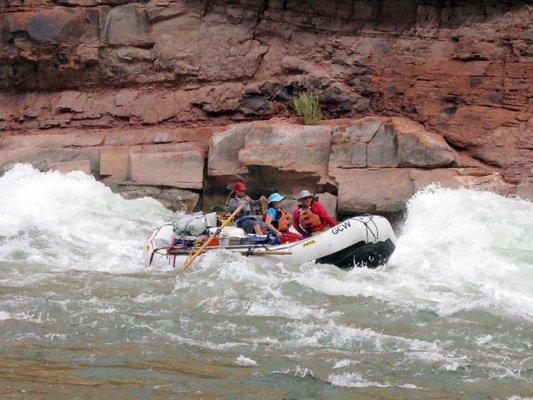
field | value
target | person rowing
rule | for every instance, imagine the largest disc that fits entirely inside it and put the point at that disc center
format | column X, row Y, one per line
column 245, row 220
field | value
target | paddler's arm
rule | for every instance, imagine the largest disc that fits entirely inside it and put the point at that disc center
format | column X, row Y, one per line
column 233, row 204
column 296, row 222
column 257, row 202
column 268, row 223
column 324, row 215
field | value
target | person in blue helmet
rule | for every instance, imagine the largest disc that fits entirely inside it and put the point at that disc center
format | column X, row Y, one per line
column 278, row 220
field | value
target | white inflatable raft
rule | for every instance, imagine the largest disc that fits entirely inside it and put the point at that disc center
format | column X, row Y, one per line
column 359, row 241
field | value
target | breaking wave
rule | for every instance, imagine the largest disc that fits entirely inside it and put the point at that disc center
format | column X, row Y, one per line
column 71, row 221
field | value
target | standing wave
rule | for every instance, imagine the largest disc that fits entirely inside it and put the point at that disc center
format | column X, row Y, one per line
column 71, row 221
column 459, row 249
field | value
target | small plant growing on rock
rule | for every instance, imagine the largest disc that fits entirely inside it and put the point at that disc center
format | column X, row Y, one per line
column 306, row 105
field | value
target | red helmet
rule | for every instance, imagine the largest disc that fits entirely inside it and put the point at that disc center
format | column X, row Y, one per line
column 239, row 186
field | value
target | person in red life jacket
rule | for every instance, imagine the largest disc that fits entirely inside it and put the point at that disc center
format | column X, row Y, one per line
column 310, row 216
column 245, row 220
column 278, row 220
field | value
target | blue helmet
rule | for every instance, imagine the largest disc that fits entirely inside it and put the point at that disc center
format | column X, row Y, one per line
column 275, row 197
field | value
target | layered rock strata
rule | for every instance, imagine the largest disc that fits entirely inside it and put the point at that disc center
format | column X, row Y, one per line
column 372, row 164
column 124, row 89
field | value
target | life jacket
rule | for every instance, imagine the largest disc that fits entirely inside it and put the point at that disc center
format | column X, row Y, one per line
column 310, row 221
column 283, row 220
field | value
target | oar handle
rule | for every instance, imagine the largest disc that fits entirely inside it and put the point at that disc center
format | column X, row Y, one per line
column 190, row 259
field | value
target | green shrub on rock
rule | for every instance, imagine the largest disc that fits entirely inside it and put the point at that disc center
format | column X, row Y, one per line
column 306, row 105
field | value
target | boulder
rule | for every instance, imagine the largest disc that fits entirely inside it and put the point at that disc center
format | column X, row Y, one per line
column 227, row 52
column 171, row 198
column 114, row 159
column 8, row 158
column 287, row 147
column 44, row 158
column 221, row 99
column 525, row 189
column 329, row 201
column 382, row 150
column 224, row 151
column 374, row 190
column 180, row 169
column 349, row 143
column 52, row 26
column 387, row 142
column 69, row 166
column 114, row 162
column 304, row 159
column 493, row 182
column 127, row 25
column 446, row 177
column 455, row 178
column 418, row 147
column 159, row 10
column 209, row 51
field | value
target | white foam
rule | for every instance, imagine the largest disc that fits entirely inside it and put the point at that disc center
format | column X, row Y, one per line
column 5, row 315
column 459, row 250
column 245, row 361
column 344, row 363
column 70, row 221
column 353, row 379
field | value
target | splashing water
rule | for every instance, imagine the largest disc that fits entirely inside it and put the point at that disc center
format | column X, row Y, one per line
column 450, row 316
column 72, row 222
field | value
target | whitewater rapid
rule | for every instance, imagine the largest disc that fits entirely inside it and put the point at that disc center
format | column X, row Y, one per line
column 458, row 249
column 453, row 308
column 71, row 221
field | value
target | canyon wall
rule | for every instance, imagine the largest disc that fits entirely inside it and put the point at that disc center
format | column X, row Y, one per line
column 156, row 97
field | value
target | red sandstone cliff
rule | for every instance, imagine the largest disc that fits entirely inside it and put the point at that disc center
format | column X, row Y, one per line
column 131, row 87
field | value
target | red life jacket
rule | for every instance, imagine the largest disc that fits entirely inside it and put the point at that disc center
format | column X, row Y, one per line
column 310, row 221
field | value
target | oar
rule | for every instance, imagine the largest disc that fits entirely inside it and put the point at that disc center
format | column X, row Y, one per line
column 244, row 252
column 190, row 259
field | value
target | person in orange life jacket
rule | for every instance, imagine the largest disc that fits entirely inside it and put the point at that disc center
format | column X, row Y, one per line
column 310, row 216
column 245, row 220
column 278, row 220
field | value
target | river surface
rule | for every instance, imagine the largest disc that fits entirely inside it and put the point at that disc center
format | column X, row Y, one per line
column 450, row 316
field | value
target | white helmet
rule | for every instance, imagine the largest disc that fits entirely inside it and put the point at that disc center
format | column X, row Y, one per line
column 305, row 193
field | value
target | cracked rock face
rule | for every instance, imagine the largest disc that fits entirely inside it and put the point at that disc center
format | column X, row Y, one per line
column 408, row 75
